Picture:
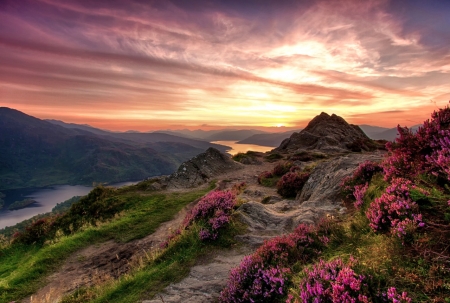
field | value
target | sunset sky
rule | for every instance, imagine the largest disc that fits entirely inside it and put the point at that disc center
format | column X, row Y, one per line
column 146, row 65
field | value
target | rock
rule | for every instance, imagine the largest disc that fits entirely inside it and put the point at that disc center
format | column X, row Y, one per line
column 204, row 283
column 323, row 185
column 270, row 199
column 201, row 169
column 320, row 197
column 331, row 134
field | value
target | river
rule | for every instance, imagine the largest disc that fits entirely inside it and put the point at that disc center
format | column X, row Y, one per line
column 46, row 198
column 243, row 148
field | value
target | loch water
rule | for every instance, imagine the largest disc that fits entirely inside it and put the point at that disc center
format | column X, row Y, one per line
column 46, row 199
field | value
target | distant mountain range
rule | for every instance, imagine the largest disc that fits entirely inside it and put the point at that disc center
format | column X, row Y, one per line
column 36, row 153
column 272, row 140
column 383, row 133
column 216, row 135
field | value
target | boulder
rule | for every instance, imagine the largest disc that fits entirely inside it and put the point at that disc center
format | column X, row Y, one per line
column 323, row 185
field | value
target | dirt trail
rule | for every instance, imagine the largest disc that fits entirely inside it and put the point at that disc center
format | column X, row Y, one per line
column 109, row 260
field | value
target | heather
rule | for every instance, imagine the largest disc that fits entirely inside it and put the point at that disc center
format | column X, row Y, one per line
column 391, row 247
column 288, row 178
column 212, row 213
column 265, row 275
column 24, row 265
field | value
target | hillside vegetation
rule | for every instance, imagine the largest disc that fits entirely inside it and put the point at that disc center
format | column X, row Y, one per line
column 37, row 153
column 390, row 246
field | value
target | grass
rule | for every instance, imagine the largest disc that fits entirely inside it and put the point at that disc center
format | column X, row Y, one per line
column 171, row 266
column 384, row 260
column 24, row 267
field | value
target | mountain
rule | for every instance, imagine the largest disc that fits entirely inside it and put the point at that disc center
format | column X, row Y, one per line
column 271, row 139
column 35, row 153
column 391, row 133
column 329, row 134
column 85, row 127
column 141, row 138
column 233, row 135
column 371, row 131
column 199, row 134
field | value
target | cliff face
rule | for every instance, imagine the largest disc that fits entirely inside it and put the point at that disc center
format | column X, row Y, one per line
column 328, row 134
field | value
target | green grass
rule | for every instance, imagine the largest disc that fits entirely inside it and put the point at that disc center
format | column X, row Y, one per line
column 24, row 267
column 171, row 266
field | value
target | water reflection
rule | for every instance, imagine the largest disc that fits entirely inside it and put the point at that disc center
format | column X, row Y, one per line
column 243, row 148
column 46, row 198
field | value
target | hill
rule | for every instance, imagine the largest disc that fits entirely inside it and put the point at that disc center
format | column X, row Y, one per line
column 330, row 134
column 371, row 130
column 35, row 153
column 271, row 139
column 233, row 135
column 141, row 138
column 359, row 227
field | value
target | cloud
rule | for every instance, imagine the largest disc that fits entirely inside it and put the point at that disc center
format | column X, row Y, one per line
column 198, row 61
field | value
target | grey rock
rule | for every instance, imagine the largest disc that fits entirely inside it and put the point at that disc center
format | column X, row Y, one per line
column 201, row 169
column 204, row 282
column 323, row 185
column 330, row 134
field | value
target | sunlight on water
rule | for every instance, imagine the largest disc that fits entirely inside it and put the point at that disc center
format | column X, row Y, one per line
column 242, row 148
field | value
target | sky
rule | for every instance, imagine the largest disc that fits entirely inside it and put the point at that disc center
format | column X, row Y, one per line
column 146, row 65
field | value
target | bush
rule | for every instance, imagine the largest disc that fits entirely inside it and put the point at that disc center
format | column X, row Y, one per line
column 354, row 187
column 37, row 232
column 98, row 205
column 264, row 276
column 333, row 281
column 264, row 175
column 213, row 212
column 273, row 157
column 426, row 151
column 337, row 281
column 281, row 168
column 395, row 212
column 291, row 184
column 305, row 156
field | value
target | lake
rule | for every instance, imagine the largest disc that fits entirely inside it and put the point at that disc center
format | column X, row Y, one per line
column 46, row 198
column 243, row 148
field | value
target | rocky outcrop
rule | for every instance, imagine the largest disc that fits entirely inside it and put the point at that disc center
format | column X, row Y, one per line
column 328, row 134
column 319, row 198
column 323, row 185
column 201, row 169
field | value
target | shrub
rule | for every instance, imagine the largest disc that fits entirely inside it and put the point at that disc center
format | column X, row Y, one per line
column 36, row 232
column 291, row 184
column 361, row 176
column 282, row 168
column 273, row 157
column 337, row 281
column 264, row 275
column 304, row 156
column 426, row 151
column 333, row 281
column 98, row 205
column 264, row 175
column 395, row 212
column 213, row 212
column 267, row 179
column 358, row 192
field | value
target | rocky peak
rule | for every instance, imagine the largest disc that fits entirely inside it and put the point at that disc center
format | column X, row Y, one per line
column 328, row 134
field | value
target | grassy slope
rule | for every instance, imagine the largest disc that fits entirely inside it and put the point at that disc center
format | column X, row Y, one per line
column 23, row 267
